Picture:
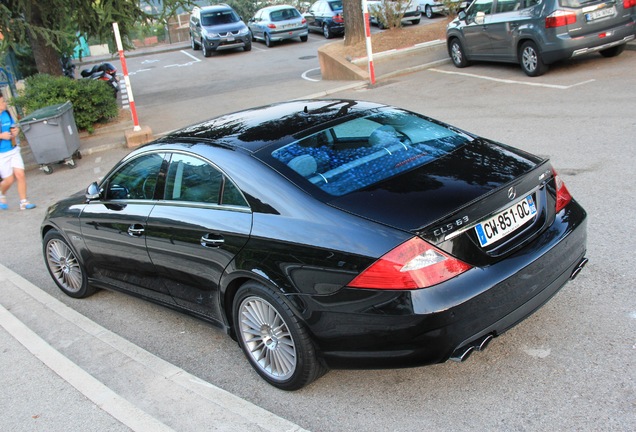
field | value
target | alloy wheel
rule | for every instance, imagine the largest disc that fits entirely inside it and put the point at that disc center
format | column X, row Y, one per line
column 64, row 266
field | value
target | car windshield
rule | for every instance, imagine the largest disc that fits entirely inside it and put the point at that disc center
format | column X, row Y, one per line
column 361, row 152
column 219, row 18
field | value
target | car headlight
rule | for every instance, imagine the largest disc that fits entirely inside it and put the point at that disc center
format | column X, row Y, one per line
column 244, row 31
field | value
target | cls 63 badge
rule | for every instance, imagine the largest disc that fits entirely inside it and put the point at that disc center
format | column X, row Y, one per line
column 450, row 227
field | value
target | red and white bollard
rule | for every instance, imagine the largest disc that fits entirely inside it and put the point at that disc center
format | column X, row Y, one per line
column 367, row 31
column 122, row 58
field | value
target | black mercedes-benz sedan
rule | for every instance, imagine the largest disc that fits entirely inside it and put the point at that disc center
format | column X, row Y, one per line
column 326, row 233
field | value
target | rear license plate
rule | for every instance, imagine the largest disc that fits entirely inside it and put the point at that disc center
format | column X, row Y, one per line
column 506, row 222
column 601, row 13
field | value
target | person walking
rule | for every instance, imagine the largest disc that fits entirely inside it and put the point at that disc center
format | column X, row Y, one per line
column 11, row 163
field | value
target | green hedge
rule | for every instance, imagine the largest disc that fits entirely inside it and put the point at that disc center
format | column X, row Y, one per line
column 92, row 100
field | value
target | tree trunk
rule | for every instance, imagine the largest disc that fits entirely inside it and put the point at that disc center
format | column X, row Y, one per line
column 354, row 22
column 46, row 56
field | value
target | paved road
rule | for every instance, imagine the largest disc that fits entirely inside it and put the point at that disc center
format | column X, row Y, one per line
column 568, row 367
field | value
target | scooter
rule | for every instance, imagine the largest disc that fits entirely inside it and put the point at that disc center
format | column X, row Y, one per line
column 103, row 72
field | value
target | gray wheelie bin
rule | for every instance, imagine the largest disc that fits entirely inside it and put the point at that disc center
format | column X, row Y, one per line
column 52, row 136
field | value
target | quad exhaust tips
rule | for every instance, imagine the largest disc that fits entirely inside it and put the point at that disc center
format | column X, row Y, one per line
column 462, row 353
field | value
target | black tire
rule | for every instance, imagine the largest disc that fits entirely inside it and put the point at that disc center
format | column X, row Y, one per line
column 247, row 46
column 206, row 51
column 415, row 22
column 275, row 342
column 613, row 51
column 326, row 32
column 457, row 53
column 531, row 60
column 193, row 44
column 428, row 11
column 304, row 38
column 66, row 270
column 268, row 41
column 47, row 169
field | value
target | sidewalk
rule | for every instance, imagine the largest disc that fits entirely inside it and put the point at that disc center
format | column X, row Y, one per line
column 69, row 365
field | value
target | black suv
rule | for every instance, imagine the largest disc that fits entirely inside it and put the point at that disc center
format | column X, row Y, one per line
column 218, row 27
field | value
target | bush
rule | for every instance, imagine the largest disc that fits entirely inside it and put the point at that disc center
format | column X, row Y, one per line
column 92, row 100
column 389, row 13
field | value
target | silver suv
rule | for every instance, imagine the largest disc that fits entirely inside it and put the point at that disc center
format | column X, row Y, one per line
column 218, row 27
column 536, row 33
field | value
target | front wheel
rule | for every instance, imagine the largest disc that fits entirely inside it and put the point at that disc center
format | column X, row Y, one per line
column 531, row 60
column 206, row 51
column 272, row 338
column 64, row 267
column 458, row 55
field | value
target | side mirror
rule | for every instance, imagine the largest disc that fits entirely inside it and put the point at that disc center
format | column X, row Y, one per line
column 480, row 17
column 93, row 192
column 462, row 15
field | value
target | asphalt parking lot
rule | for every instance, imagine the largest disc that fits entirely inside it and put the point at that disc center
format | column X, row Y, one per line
column 568, row 367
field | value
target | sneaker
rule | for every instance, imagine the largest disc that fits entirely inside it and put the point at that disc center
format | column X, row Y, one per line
column 26, row 205
column 3, row 203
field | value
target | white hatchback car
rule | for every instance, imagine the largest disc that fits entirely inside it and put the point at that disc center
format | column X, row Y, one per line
column 412, row 12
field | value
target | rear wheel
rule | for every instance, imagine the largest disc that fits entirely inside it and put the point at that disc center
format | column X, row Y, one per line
column 531, row 60
column 613, row 51
column 268, row 41
column 326, row 32
column 193, row 44
column 64, row 267
column 303, row 38
column 428, row 11
column 272, row 338
column 457, row 54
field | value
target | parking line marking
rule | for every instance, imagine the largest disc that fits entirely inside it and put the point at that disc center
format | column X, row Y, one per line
column 191, row 56
column 506, row 81
column 304, row 75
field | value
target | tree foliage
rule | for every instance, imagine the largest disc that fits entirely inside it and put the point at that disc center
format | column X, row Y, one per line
column 51, row 27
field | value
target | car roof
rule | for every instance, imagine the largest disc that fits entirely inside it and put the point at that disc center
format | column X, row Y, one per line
column 279, row 123
column 277, row 7
column 220, row 6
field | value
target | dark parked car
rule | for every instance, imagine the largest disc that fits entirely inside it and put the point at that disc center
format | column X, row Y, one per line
column 218, row 27
column 277, row 23
column 537, row 33
column 325, row 16
column 327, row 233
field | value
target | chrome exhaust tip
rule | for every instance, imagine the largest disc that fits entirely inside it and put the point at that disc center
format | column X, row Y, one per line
column 461, row 354
column 578, row 268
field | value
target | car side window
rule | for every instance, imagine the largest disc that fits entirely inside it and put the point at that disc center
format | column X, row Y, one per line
column 196, row 180
column 509, row 5
column 484, row 6
column 136, row 179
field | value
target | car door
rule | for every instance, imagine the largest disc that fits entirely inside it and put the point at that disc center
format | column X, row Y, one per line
column 478, row 16
column 113, row 227
column 256, row 24
column 313, row 17
column 508, row 18
column 196, row 230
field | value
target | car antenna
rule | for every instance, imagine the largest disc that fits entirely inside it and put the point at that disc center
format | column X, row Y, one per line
column 306, row 110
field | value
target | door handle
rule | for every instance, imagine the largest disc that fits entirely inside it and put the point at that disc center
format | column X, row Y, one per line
column 136, row 230
column 212, row 240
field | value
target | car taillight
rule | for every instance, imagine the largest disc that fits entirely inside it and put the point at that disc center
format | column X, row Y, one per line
column 338, row 19
column 304, row 20
column 563, row 196
column 272, row 26
column 629, row 4
column 560, row 18
column 412, row 265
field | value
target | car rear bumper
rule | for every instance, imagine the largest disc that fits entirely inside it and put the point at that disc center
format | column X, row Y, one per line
column 287, row 34
column 565, row 47
column 365, row 328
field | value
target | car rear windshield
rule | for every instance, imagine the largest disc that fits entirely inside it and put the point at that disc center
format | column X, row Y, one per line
column 361, row 152
column 284, row 14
